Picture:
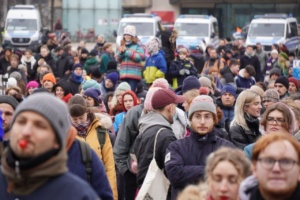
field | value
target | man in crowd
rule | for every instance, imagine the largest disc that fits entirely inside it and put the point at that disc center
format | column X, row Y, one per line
column 34, row 165
column 249, row 58
column 226, row 103
column 282, row 86
column 8, row 104
column 276, row 169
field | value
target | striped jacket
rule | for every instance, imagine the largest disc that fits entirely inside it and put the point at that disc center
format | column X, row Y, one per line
column 130, row 62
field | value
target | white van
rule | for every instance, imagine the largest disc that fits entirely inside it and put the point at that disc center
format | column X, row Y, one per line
column 269, row 29
column 22, row 27
column 147, row 26
column 197, row 30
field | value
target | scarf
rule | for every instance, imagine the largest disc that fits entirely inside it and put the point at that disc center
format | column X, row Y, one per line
column 26, row 176
column 78, row 79
column 82, row 128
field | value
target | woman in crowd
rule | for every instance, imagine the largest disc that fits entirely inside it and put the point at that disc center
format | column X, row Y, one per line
column 277, row 118
column 226, row 168
column 117, row 106
column 31, row 85
column 129, row 100
column 244, row 128
column 86, row 124
column 93, row 99
column 61, row 90
column 130, row 55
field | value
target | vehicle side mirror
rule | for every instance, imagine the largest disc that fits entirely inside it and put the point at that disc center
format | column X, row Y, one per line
column 115, row 33
column 212, row 35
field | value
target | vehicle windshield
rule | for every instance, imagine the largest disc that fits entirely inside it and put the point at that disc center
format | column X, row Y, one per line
column 192, row 29
column 266, row 30
column 21, row 24
column 142, row 28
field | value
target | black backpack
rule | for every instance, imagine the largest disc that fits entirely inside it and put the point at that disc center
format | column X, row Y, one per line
column 86, row 153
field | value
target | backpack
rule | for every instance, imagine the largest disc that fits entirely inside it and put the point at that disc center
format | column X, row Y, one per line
column 86, row 153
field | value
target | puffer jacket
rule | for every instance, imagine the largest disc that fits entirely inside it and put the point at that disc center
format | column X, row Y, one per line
column 49, row 61
column 242, row 137
column 242, row 82
column 185, row 159
column 144, row 144
column 155, row 67
column 130, row 62
column 105, row 154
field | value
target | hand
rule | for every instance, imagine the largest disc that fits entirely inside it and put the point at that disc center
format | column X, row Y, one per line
column 41, row 61
column 187, row 72
column 134, row 167
column 182, row 72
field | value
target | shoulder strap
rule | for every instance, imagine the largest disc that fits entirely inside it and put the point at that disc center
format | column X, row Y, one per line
column 101, row 135
column 86, row 155
column 154, row 148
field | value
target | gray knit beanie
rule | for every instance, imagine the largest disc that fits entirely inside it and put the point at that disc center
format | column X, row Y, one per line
column 204, row 81
column 52, row 109
column 123, row 86
column 9, row 100
column 202, row 103
column 271, row 95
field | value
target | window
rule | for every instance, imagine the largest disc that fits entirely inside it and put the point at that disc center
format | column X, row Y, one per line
column 294, row 29
column 192, row 29
column 142, row 28
column 266, row 30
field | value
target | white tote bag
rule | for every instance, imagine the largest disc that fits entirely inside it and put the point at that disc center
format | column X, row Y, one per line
column 156, row 184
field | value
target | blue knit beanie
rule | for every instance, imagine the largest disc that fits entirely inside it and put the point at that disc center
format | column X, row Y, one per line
column 189, row 83
column 90, row 84
column 113, row 76
column 230, row 89
column 94, row 93
column 77, row 65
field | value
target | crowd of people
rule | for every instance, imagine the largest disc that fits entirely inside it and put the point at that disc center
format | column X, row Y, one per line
column 220, row 124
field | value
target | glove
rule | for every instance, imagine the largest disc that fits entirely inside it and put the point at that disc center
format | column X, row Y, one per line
column 182, row 72
column 187, row 71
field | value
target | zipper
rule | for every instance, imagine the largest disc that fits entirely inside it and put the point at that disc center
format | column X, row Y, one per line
column 17, row 169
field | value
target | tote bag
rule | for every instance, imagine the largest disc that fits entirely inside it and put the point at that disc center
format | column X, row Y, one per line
column 156, row 184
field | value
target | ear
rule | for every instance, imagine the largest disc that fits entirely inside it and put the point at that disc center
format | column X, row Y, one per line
column 255, row 170
column 246, row 108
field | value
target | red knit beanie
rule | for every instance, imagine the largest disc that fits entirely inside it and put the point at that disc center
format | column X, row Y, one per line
column 295, row 81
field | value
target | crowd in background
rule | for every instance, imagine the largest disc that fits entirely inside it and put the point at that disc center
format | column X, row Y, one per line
column 218, row 121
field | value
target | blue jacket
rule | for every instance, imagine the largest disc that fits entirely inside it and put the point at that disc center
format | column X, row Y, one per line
column 185, row 159
column 228, row 114
column 248, row 150
column 99, row 180
column 155, row 67
column 66, row 186
column 242, row 82
column 118, row 121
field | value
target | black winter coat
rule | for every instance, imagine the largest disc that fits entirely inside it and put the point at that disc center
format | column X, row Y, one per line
column 227, row 75
column 73, row 85
column 49, row 60
column 241, row 137
column 63, row 64
column 143, row 149
column 245, row 60
column 185, row 159
column 3, row 65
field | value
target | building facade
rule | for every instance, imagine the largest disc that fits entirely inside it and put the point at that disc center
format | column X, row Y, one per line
column 230, row 13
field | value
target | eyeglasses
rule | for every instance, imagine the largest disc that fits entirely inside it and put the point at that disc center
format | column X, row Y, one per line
column 285, row 164
column 277, row 121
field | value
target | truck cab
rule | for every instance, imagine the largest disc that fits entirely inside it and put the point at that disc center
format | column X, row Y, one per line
column 197, row 30
column 147, row 26
column 22, row 27
column 271, row 29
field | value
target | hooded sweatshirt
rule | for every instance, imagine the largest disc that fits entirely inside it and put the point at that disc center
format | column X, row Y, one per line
column 149, row 125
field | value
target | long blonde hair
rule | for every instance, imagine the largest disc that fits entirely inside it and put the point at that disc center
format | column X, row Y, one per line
column 245, row 98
